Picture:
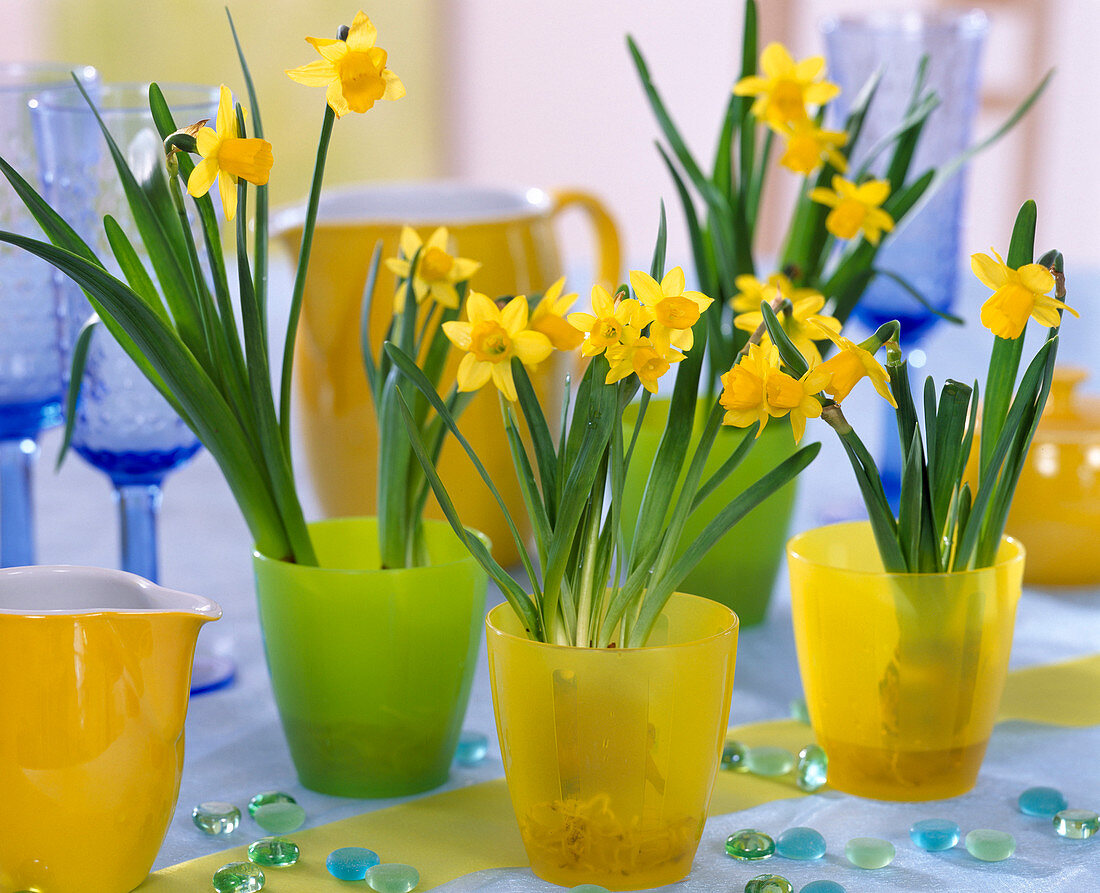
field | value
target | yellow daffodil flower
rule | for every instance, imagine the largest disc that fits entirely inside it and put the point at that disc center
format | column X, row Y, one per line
column 225, row 157
column 491, row 337
column 786, row 87
column 437, row 272
column 751, row 291
column 808, row 146
column 1017, row 295
column 354, row 70
column 674, row 310
column 805, row 302
column 849, row 365
column 643, row 356
column 548, row 317
column 743, row 388
column 608, row 324
column 786, row 395
column 855, row 208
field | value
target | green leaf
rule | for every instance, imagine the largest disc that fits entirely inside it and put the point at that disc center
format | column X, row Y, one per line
column 76, row 380
column 787, row 350
column 546, row 457
column 373, row 378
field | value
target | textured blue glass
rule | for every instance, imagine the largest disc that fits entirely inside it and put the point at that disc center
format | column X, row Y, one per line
column 935, row 835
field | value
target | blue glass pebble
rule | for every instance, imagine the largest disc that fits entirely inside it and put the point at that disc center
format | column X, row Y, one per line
column 934, row 835
column 769, row 761
column 824, row 887
column 472, row 748
column 350, row 863
column 1041, row 801
column 803, row 844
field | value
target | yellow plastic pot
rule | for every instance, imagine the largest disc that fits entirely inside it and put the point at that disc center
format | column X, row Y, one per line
column 511, row 232
column 95, row 667
column 371, row 669
column 611, row 754
column 902, row 673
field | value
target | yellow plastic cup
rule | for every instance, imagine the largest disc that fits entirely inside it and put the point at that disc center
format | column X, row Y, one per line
column 611, row 754
column 511, row 232
column 95, row 668
column 903, row 673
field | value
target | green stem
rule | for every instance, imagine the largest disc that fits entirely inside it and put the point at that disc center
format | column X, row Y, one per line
column 587, row 582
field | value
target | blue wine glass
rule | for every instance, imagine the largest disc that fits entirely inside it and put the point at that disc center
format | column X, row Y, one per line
column 30, row 370
column 925, row 249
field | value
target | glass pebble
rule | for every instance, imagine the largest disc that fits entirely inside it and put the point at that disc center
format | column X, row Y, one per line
column 869, row 852
column 803, row 844
column 273, row 852
column 1078, row 824
column 392, row 877
column 813, row 768
column 588, row 888
column 1041, row 801
column 799, row 711
column 770, row 761
column 472, row 748
column 934, row 835
column 748, row 844
column 769, row 883
column 733, row 756
column 238, row 877
column 268, row 797
column 351, row 863
column 989, row 845
column 280, row 818
column 216, row 818
column 824, row 887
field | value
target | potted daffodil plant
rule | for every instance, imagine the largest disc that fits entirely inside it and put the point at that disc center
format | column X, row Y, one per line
column 342, row 601
column 611, row 689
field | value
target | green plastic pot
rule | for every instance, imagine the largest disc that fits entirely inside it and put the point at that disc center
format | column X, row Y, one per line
column 371, row 669
column 740, row 571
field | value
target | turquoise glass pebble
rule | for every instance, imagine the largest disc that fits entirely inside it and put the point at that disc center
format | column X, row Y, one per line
column 216, row 818
column 268, row 797
column 392, row 877
column 803, row 844
column 799, row 711
column 770, row 761
column 273, row 852
column 813, row 768
column 1041, row 801
column 769, row 883
column 351, row 863
column 990, row 845
column 238, row 877
column 1077, row 824
column 869, row 852
column 280, row 818
column 472, row 748
column 588, row 888
column 733, row 756
column 934, row 835
column 824, row 887
column 749, row 844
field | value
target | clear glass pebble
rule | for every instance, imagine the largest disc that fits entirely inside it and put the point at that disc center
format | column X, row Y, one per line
column 733, row 756
column 934, row 835
column 238, row 877
column 588, row 888
column 748, row 844
column 813, row 768
column 1077, row 824
column 803, row 844
column 392, row 877
column 268, row 797
column 769, row 883
column 216, row 818
column 824, row 887
column 799, row 711
column 870, row 852
column 273, row 852
column 351, row 863
column 990, row 845
column 472, row 748
column 280, row 818
column 769, row 761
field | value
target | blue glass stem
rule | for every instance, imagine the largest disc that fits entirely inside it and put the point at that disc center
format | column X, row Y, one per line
column 138, row 505
column 17, row 458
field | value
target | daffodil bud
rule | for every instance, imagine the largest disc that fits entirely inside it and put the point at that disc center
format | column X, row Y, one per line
column 342, row 32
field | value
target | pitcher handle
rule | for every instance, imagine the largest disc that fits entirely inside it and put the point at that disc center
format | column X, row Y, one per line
column 608, row 252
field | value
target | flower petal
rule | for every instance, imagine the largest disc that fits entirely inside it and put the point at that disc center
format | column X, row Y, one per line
column 531, row 347
column 1036, row 278
column 502, row 378
column 480, row 309
column 248, row 158
column 991, row 274
column 317, row 73
column 409, row 242
column 362, row 34
column 227, row 120
column 332, row 50
column 206, row 142
column 395, row 89
column 673, row 283
column 514, row 315
column 228, row 190
column 473, row 374
column 459, row 334
column 776, row 60
column 202, row 177
column 334, row 96
column 645, row 287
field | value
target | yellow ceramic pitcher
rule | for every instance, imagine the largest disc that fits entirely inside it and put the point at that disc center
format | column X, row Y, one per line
column 95, row 667
column 511, row 232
